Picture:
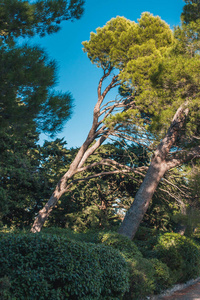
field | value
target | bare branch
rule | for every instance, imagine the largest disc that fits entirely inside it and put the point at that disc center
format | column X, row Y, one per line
column 112, row 101
column 110, row 86
column 173, row 196
column 183, row 157
column 105, row 75
column 91, row 150
column 174, row 185
column 115, row 165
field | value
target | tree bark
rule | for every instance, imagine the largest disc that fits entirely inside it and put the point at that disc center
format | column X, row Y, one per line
column 143, row 197
column 46, row 210
column 62, row 186
column 158, row 166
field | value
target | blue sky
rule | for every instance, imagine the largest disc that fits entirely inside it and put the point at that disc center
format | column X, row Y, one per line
column 75, row 71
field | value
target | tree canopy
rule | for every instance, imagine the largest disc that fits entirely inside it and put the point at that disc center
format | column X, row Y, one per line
column 29, row 103
column 20, row 18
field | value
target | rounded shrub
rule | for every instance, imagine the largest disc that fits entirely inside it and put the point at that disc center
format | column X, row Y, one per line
column 121, row 243
column 180, row 254
column 115, row 274
column 141, row 279
column 162, row 277
column 53, row 267
column 146, row 277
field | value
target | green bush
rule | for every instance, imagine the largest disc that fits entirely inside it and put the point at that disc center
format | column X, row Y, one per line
column 146, row 239
column 121, row 243
column 90, row 236
column 180, row 254
column 115, row 274
column 162, row 276
column 146, row 276
column 141, row 279
column 46, row 266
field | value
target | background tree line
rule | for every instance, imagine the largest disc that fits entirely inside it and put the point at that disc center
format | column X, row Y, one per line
column 156, row 71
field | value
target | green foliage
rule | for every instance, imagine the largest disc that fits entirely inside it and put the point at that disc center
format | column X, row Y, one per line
column 4, row 287
column 28, row 105
column 121, row 42
column 22, row 18
column 146, row 276
column 28, row 102
column 162, row 275
column 27, row 98
column 58, row 255
column 53, row 267
column 29, row 173
column 115, row 272
column 141, row 279
column 136, row 51
column 94, row 204
column 191, row 11
column 128, row 249
column 19, row 179
column 146, row 239
column 180, row 254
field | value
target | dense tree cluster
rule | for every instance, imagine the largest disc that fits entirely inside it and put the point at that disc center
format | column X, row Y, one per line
column 150, row 169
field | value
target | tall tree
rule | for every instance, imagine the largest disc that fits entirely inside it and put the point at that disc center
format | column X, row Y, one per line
column 26, row 92
column 28, row 102
column 176, row 88
column 165, row 94
column 121, row 47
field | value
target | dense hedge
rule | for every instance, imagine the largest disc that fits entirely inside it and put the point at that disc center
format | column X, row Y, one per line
column 146, row 276
column 66, row 265
column 36, row 266
column 180, row 254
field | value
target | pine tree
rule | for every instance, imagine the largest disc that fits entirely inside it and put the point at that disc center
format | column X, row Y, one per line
column 29, row 104
column 126, row 51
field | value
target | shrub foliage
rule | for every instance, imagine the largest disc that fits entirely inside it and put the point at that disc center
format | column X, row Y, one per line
column 54, row 267
column 180, row 254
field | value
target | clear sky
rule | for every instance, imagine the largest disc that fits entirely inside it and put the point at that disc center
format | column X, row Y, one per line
column 75, row 71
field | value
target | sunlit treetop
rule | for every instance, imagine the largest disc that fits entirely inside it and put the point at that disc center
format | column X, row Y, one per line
column 122, row 41
column 135, row 50
column 160, row 74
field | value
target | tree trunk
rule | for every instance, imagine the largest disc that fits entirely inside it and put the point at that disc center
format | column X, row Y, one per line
column 46, row 210
column 159, row 165
column 143, row 197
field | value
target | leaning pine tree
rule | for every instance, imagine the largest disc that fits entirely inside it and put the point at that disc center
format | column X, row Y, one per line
column 159, row 87
column 122, row 49
column 173, row 100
